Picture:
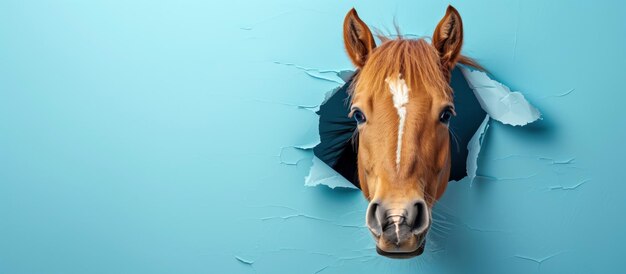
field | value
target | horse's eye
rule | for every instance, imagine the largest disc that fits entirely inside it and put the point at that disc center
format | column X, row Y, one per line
column 445, row 116
column 358, row 116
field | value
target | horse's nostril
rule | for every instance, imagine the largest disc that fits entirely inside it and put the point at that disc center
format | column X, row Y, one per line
column 419, row 217
column 374, row 218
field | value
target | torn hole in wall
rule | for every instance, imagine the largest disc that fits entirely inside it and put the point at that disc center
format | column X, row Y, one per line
column 478, row 100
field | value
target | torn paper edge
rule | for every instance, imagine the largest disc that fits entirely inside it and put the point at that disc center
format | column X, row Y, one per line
column 322, row 174
column 325, row 75
column 502, row 104
column 473, row 149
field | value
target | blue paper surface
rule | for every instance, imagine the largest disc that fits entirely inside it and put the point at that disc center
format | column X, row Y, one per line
column 163, row 137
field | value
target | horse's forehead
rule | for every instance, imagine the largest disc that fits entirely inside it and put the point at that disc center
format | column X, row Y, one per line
column 380, row 94
column 398, row 90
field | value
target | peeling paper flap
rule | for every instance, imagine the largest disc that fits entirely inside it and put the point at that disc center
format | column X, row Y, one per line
column 502, row 104
column 468, row 119
column 474, row 146
column 322, row 174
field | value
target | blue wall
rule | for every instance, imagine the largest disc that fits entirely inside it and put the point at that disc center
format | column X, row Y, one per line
column 157, row 137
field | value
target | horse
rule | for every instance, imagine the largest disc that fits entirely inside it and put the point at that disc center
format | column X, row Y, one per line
column 402, row 102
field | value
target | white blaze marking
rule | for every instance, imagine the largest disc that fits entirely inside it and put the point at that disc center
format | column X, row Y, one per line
column 397, row 220
column 397, row 234
column 400, row 92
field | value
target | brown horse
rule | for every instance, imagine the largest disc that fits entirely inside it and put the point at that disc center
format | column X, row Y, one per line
column 402, row 103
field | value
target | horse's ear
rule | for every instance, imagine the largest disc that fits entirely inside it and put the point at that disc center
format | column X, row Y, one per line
column 357, row 38
column 448, row 38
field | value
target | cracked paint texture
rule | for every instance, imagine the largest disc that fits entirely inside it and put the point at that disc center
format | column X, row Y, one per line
column 173, row 136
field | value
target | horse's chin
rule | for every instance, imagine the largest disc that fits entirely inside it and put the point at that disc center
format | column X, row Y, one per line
column 410, row 245
column 402, row 255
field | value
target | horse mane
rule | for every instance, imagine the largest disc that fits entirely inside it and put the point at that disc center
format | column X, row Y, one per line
column 415, row 59
column 465, row 60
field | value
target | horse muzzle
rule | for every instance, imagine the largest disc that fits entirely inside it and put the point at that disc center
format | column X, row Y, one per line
column 399, row 231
